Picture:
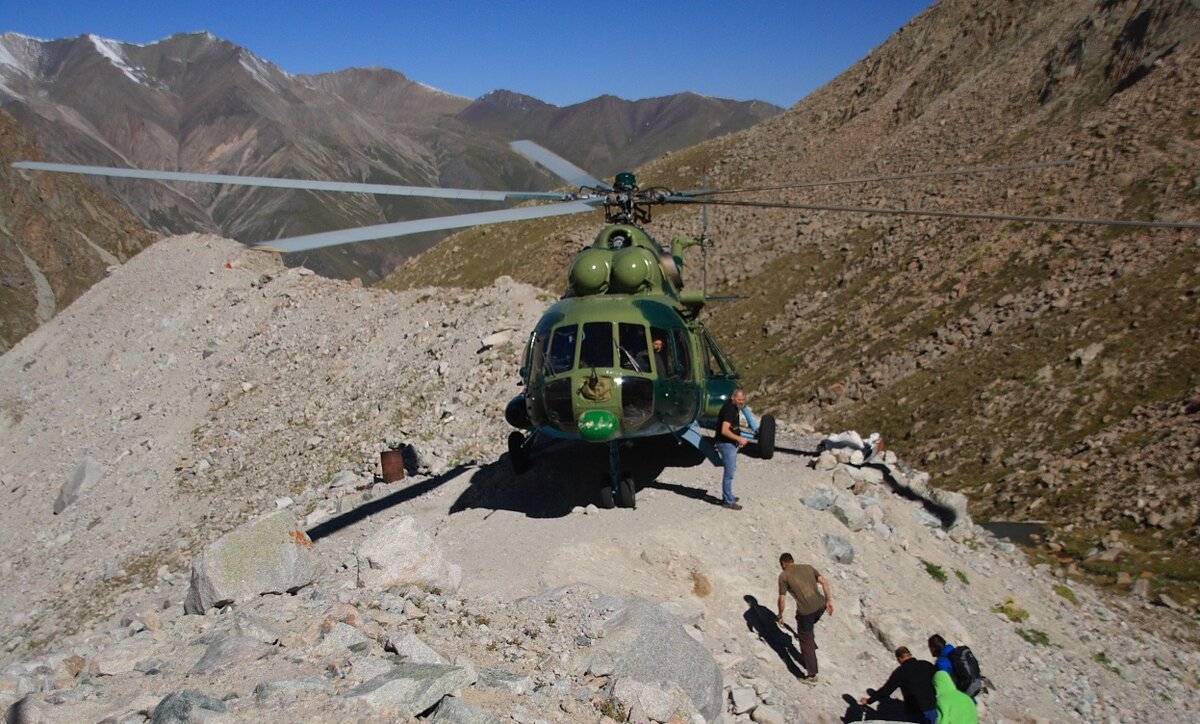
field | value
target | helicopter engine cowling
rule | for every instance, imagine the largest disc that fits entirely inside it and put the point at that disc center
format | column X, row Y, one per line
column 590, row 272
column 632, row 270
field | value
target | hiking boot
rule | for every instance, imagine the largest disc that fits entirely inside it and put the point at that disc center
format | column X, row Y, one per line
column 810, row 679
column 731, row 506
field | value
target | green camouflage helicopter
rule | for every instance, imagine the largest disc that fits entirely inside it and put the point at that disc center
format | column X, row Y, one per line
column 623, row 356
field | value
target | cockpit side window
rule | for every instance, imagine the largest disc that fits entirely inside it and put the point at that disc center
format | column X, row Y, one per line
column 683, row 359
column 596, row 348
column 664, row 365
column 718, row 364
column 561, row 353
column 634, row 351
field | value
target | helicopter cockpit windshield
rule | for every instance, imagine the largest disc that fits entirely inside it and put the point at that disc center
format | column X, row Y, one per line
column 560, row 355
column 630, row 350
column 596, row 347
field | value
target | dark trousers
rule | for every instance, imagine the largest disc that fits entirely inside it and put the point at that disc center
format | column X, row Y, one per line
column 808, row 642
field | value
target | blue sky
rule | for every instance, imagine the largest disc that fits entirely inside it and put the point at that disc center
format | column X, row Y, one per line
column 560, row 52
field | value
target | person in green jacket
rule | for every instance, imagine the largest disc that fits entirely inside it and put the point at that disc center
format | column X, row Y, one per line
column 954, row 707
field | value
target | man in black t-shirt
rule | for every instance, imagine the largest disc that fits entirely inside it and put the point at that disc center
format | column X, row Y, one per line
column 729, row 440
column 914, row 678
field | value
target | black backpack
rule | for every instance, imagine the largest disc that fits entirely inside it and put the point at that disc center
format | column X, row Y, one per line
column 965, row 671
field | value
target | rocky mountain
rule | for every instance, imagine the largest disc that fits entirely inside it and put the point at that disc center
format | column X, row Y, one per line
column 58, row 235
column 198, row 103
column 197, row 529
column 607, row 135
column 1051, row 372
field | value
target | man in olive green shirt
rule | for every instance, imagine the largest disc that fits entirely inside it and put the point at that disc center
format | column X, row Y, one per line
column 802, row 580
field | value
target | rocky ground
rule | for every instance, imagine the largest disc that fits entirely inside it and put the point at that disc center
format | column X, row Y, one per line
column 202, row 390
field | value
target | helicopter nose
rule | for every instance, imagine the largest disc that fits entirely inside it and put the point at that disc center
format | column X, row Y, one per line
column 598, row 426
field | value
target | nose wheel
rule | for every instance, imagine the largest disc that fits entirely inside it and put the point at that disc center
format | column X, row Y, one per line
column 627, row 494
column 624, row 495
column 518, row 455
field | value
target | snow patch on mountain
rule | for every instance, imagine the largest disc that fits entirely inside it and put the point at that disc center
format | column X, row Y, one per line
column 112, row 51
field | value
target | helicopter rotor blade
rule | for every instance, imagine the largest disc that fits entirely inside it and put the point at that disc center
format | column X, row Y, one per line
column 895, row 177
column 558, row 165
column 287, row 183
column 416, row 226
column 943, row 214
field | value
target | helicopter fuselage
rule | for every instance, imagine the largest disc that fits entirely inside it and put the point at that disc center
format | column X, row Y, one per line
column 623, row 354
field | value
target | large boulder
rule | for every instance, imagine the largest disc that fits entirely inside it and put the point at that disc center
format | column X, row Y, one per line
column 644, row 643
column 401, row 553
column 268, row 555
column 409, row 689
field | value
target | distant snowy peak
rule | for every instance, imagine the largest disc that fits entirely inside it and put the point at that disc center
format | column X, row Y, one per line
column 114, row 52
column 21, row 53
column 263, row 71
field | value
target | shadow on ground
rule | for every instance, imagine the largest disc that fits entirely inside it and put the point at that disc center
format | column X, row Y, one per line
column 569, row 474
column 377, row 505
column 886, row 710
column 763, row 622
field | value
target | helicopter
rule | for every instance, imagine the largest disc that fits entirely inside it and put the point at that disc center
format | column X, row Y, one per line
column 623, row 356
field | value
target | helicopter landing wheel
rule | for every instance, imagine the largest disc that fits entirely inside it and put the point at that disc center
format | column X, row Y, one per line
column 627, row 493
column 606, row 494
column 518, row 457
column 766, row 437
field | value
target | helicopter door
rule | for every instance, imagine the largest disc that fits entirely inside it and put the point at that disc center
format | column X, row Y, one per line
column 722, row 380
column 669, row 402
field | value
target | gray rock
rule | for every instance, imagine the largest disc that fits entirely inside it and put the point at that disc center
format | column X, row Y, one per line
column 86, row 475
column 819, row 500
column 846, row 508
column 401, row 553
column 839, row 549
column 956, row 502
column 228, row 651
column 409, row 689
column 865, row 474
column 268, row 555
column 842, row 479
column 644, row 643
column 825, row 461
column 767, row 715
column 743, row 699
column 413, row 649
column 26, row 710
column 654, row 702
column 255, row 628
column 121, row 657
column 187, row 707
column 895, row 628
column 492, row 678
column 453, row 710
column 267, row 690
column 344, row 479
column 339, row 640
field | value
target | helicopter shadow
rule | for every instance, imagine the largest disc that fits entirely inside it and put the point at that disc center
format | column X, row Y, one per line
column 568, row 474
column 378, row 505
column 763, row 622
